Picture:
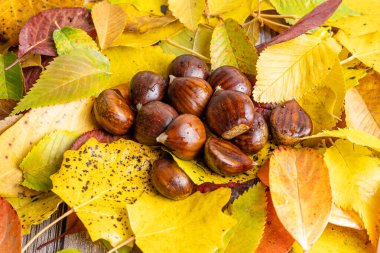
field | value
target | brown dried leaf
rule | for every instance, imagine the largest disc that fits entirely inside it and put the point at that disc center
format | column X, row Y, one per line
column 6, row 107
column 10, row 228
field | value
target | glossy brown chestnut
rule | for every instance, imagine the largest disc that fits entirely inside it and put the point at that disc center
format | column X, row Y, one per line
column 185, row 136
column 170, row 180
column 230, row 78
column 188, row 65
column 229, row 113
column 225, row 158
column 113, row 113
column 189, row 94
column 289, row 122
column 147, row 86
column 151, row 120
column 255, row 138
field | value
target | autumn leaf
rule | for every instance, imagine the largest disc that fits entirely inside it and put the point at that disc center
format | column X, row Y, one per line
column 199, row 215
column 249, row 210
column 138, row 59
column 155, row 7
column 11, row 85
column 36, row 36
column 19, row 139
column 17, row 12
column 289, row 69
column 67, row 39
column 100, row 202
column 345, row 218
column 79, row 74
column 34, row 210
column 362, row 110
column 337, row 239
column 6, row 107
column 189, row 12
column 69, row 251
column 31, row 60
column 301, row 192
column 324, row 104
column 231, row 46
column 8, row 122
column 183, row 38
column 109, row 21
column 44, row 159
column 354, row 71
column 355, row 178
column 10, row 228
column 202, row 40
column 353, row 135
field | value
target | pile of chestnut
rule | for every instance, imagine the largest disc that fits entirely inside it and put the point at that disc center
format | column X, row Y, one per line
column 198, row 111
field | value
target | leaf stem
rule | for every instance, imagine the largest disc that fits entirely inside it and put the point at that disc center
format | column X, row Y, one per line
column 351, row 58
column 131, row 239
column 173, row 43
column 12, row 65
column 277, row 16
column 268, row 21
column 46, row 228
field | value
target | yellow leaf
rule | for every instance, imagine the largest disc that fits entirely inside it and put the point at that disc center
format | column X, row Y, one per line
column 189, row 12
column 196, row 224
column 109, row 21
column 355, row 179
column 354, row 71
column 324, row 103
column 15, row 13
column 365, row 47
column 19, row 139
column 149, row 6
column 99, row 179
column 137, row 59
column 345, row 218
column 132, row 39
column 301, row 193
column 355, row 136
column 31, row 60
column 202, row 40
column 8, row 122
column 34, row 210
column 183, row 38
column 337, row 239
column 289, row 69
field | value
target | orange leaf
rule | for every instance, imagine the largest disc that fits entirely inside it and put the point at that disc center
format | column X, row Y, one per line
column 263, row 173
column 276, row 238
column 301, row 192
column 10, row 228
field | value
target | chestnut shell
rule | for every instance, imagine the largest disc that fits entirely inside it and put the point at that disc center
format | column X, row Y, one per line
column 170, row 180
column 189, row 95
column 229, row 113
column 225, row 158
column 113, row 113
column 147, row 86
column 151, row 120
column 188, row 65
column 185, row 136
column 230, row 78
column 289, row 122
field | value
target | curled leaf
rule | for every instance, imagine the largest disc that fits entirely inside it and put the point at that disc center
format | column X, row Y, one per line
column 301, row 193
column 10, row 228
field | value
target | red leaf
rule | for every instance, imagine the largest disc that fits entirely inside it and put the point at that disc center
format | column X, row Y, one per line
column 10, row 228
column 276, row 238
column 99, row 135
column 263, row 173
column 36, row 36
column 315, row 18
column 31, row 74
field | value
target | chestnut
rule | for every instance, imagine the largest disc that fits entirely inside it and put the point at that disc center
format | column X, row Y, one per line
column 229, row 113
column 147, row 86
column 151, row 120
column 189, row 94
column 255, row 138
column 185, row 136
column 188, row 65
column 170, row 180
column 225, row 158
column 230, row 78
column 289, row 122
column 113, row 113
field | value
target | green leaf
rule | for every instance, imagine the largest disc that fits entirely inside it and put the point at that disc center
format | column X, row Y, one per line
column 67, row 39
column 202, row 40
column 196, row 224
column 137, row 59
column 81, row 73
column 99, row 179
column 290, row 69
column 34, row 210
column 11, row 84
column 231, row 46
column 124, row 249
column 184, row 38
column 300, row 8
column 45, row 159
column 189, row 12
column 69, row 251
column 250, row 212
column 355, row 182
